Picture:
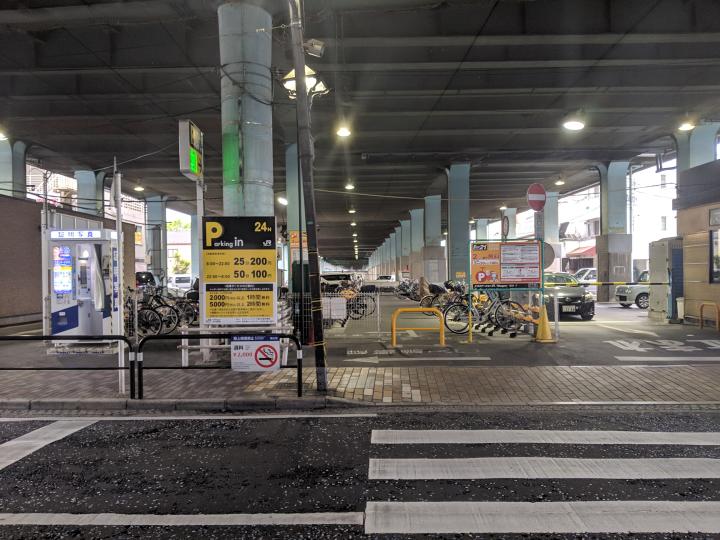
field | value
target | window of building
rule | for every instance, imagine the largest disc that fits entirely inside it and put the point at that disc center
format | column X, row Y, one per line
column 663, row 223
column 715, row 256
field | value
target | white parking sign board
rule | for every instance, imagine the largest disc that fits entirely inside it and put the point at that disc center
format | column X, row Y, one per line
column 255, row 353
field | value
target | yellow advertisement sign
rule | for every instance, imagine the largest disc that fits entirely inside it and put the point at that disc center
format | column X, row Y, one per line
column 239, row 267
column 506, row 265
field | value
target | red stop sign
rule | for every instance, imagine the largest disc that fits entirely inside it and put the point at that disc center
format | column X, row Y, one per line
column 536, row 196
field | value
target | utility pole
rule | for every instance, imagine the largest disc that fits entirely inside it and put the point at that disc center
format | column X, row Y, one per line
column 305, row 155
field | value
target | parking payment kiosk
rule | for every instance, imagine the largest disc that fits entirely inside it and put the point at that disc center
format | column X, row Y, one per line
column 83, row 282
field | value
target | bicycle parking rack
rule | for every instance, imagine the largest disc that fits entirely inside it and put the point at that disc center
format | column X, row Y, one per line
column 717, row 314
column 101, row 339
column 209, row 335
column 394, row 328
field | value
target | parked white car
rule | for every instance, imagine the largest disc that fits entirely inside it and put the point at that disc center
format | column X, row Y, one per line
column 627, row 295
column 383, row 283
column 180, row 281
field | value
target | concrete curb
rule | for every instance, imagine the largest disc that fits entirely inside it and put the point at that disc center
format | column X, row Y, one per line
column 267, row 403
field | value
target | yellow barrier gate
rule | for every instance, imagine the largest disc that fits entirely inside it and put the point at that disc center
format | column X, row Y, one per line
column 397, row 312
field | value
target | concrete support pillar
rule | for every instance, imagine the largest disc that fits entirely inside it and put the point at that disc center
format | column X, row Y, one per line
column 481, row 228
column 156, row 235
column 614, row 245
column 398, row 253
column 90, row 192
column 393, row 253
column 406, row 246
column 7, row 187
column 245, row 109
column 19, row 169
column 458, row 216
column 417, row 242
column 194, row 246
column 435, row 265
column 386, row 256
column 698, row 146
column 511, row 214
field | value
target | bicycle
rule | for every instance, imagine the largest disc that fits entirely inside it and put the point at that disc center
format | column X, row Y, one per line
column 149, row 321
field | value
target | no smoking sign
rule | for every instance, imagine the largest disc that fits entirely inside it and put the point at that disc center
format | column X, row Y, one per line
column 255, row 353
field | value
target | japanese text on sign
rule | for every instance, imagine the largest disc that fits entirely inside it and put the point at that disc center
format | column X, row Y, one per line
column 506, row 264
column 239, row 266
column 255, row 353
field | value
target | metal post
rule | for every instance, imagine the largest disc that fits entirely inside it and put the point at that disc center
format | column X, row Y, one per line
column 557, row 316
column 120, row 245
column 305, row 154
column 45, row 263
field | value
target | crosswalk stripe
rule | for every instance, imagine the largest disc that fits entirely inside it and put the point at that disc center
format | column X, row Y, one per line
column 530, row 436
column 170, row 520
column 542, row 467
column 542, row 518
column 16, row 449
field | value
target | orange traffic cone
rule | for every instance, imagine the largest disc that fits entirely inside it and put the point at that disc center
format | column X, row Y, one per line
column 543, row 334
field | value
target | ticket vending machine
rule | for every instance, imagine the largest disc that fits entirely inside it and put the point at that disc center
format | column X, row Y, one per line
column 83, row 277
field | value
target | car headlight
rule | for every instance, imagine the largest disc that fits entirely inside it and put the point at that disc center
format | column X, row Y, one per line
column 588, row 296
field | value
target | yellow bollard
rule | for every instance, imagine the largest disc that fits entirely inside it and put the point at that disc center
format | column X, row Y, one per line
column 544, row 335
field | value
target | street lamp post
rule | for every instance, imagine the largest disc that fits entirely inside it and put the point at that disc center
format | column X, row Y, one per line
column 305, row 156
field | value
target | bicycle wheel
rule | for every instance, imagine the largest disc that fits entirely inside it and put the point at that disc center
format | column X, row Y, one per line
column 187, row 313
column 427, row 302
column 506, row 315
column 170, row 318
column 456, row 318
column 370, row 305
column 149, row 322
column 357, row 308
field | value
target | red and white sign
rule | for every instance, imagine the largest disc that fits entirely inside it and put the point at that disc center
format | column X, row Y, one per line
column 255, row 353
column 536, row 196
column 266, row 356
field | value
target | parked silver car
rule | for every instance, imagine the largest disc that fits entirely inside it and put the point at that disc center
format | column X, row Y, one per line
column 627, row 295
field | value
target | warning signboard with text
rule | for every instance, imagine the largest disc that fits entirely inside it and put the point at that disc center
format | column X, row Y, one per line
column 239, row 270
column 506, row 265
column 255, row 353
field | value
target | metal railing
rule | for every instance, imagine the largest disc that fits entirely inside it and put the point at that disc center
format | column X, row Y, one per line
column 83, row 338
column 435, row 311
column 209, row 335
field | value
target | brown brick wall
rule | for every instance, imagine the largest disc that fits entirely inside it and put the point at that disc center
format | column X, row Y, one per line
column 21, row 259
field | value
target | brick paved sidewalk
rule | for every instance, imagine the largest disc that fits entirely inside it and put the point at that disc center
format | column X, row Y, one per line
column 439, row 385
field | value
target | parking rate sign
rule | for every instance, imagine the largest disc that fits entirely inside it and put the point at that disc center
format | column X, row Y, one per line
column 239, row 270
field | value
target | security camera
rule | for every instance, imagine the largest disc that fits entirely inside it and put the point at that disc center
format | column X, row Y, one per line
column 314, row 47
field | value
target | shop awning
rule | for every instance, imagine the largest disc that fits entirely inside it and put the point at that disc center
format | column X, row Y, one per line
column 582, row 253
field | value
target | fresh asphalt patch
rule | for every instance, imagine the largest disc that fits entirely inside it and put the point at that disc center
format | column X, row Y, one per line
column 310, row 465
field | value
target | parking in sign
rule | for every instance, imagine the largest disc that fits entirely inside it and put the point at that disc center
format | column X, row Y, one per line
column 255, row 353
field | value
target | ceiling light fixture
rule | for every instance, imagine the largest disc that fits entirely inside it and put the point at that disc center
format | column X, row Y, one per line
column 574, row 121
column 3, row 137
column 354, row 234
column 559, row 182
column 351, row 211
column 445, row 233
column 138, row 188
column 472, row 221
column 687, row 124
column 502, row 208
column 282, row 200
column 354, row 240
column 349, row 186
column 343, row 131
column 353, row 224
column 314, row 85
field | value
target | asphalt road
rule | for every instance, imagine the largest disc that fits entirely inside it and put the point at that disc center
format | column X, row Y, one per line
column 383, row 476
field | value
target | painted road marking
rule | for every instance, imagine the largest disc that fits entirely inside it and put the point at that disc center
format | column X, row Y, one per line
column 23, row 446
column 668, row 358
column 542, row 467
column 377, row 359
column 532, row 436
column 193, row 417
column 628, row 330
column 189, row 520
column 542, row 517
